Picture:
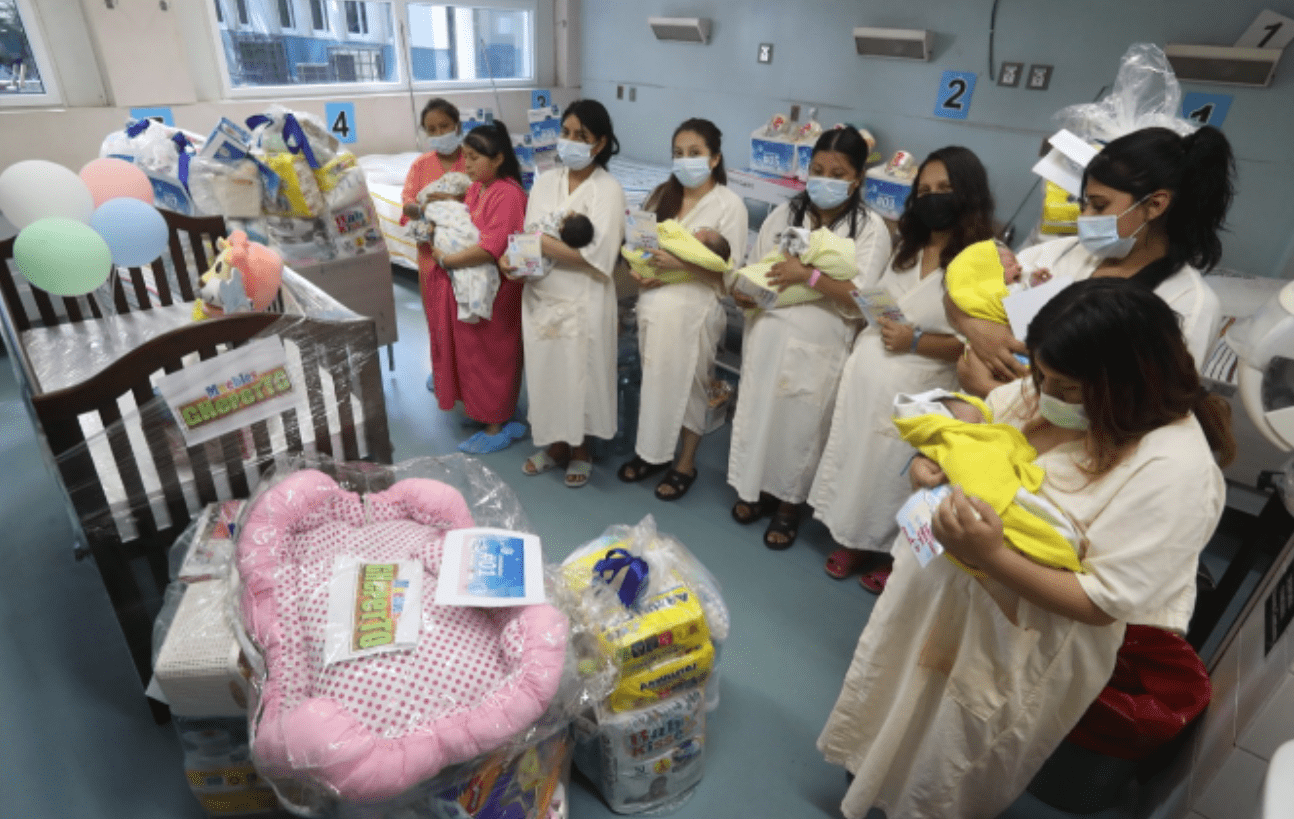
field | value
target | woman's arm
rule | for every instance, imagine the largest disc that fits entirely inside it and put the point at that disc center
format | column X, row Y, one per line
column 791, row 271
column 897, row 338
column 991, row 341
column 971, row 531
column 463, row 258
column 664, row 261
column 974, row 376
column 565, row 255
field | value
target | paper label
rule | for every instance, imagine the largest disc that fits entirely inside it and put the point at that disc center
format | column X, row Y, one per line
column 915, row 517
column 1023, row 306
column 525, row 253
column 762, row 296
column 373, row 608
column 231, row 391
column 490, row 567
column 876, row 303
column 640, row 230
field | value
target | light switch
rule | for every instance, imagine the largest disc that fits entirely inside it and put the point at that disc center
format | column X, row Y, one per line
column 1039, row 77
column 765, row 53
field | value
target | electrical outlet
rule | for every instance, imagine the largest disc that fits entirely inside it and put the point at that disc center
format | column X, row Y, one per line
column 1009, row 74
column 765, row 53
column 1039, row 78
column 620, row 92
column 795, row 113
column 633, row 94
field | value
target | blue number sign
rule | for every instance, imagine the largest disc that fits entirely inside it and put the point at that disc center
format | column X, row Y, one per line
column 1206, row 109
column 340, row 117
column 540, row 98
column 955, row 89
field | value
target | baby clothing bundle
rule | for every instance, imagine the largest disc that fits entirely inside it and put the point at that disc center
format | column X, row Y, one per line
column 677, row 240
column 447, row 224
column 819, row 249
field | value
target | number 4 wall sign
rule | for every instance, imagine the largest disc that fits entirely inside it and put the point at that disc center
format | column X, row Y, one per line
column 955, row 90
column 340, row 117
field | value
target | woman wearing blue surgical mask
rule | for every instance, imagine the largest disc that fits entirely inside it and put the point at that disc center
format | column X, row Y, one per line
column 1154, row 203
column 680, row 324
column 441, row 132
column 568, row 316
column 962, row 686
column 792, row 356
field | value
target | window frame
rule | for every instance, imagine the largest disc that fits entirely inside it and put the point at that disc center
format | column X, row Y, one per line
column 324, row 16
column 403, row 82
column 34, row 29
column 291, row 7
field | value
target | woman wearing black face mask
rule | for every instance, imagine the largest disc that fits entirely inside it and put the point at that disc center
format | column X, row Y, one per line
column 859, row 485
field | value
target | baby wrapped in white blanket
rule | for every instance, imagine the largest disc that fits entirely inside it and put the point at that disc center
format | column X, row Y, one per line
column 447, row 224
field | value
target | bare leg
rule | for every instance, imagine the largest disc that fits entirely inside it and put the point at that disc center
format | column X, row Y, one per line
column 579, row 453
column 689, row 442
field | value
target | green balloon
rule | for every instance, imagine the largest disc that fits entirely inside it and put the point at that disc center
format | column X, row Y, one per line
column 62, row 256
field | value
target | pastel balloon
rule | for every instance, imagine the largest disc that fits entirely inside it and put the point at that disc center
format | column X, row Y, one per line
column 62, row 256
column 110, row 178
column 134, row 230
column 36, row 189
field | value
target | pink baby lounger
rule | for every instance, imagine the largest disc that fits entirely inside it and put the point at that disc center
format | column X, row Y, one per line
column 372, row 727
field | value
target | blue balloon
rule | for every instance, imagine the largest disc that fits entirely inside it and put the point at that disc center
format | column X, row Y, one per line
column 134, row 230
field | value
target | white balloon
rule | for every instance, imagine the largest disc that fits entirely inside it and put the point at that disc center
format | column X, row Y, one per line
column 37, row 189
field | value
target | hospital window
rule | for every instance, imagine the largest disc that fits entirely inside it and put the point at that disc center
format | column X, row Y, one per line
column 220, row 13
column 356, row 18
column 286, row 15
column 318, row 15
column 22, row 56
column 457, row 43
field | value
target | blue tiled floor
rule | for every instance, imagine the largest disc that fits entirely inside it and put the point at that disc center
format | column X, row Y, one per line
column 78, row 740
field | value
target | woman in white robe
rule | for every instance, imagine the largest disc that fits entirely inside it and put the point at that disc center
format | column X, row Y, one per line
column 860, row 483
column 1154, row 204
column 960, row 688
column 568, row 317
column 680, row 325
column 791, row 356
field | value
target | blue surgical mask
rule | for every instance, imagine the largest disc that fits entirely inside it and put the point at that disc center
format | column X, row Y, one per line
column 1099, row 235
column 827, row 193
column 692, row 171
column 444, row 144
column 1062, row 414
column 575, row 155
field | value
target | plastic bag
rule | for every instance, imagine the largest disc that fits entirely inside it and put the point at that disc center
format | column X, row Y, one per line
column 228, row 189
column 1145, row 94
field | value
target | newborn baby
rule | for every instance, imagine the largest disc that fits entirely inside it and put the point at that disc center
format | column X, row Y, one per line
column 714, row 242
column 447, row 224
column 575, row 230
column 982, row 275
column 705, row 247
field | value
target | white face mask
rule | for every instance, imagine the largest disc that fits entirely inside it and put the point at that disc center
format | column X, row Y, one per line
column 1099, row 235
column 1062, row 414
column 827, row 193
column 575, row 155
column 444, row 144
column 692, row 171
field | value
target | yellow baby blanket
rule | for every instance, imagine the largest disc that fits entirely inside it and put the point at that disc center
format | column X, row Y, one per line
column 832, row 254
column 675, row 239
column 975, row 284
column 992, row 461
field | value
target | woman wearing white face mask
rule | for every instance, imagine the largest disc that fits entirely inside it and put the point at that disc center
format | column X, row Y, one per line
column 442, row 135
column 568, row 317
column 679, row 325
column 792, row 356
column 1153, row 205
column 962, row 686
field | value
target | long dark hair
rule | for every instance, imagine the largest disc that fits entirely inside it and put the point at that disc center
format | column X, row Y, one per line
column 1199, row 170
column 494, row 140
column 667, row 200
column 848, row 141
column 595, row 119
column 442, row 105
column 1124, row 344
column 974, row 206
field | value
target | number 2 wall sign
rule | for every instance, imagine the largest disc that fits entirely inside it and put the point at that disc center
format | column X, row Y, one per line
column 955, row 90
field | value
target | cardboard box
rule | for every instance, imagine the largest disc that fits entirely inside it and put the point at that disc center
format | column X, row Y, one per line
column 886, row 194
column 773, row 155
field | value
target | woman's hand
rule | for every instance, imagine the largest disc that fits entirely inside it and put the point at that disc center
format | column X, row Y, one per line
column 444, row 197
column 996, row 347
column 896, row 337
column 412, row 210
column 968, row 528
column 743, row 301
column 1040, row 276
column 974, row 375
column 438, row 256
column 645, row 282
column 925, row 473
column 663, row 260
column 788, row 272
column 505, row 268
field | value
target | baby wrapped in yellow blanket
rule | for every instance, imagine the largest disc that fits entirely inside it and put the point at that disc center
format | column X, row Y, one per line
column 981, row 276
column 820, row 249
column 706, row 249
column 995, row 463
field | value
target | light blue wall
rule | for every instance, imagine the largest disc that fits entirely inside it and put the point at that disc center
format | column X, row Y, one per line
column 815, row 64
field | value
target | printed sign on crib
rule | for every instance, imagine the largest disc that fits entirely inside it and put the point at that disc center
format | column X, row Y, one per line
column 490, row 567
column 231, row 391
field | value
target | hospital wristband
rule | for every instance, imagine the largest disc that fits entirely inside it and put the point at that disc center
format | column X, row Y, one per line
column 813, row 278
column 917, row 333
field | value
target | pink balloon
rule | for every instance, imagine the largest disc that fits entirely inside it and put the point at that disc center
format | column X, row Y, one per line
column 110, row 178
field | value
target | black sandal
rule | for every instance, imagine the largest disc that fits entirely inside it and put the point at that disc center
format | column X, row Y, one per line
column 786, row 524
column 677, row 481
column 635, row 470
column 744, row 512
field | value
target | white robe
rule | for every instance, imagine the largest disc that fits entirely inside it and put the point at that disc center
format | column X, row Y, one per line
column 1185, row 291
column 859, row 485
column 790, row 367
column 679, row 327
column 956, row 696
column 568, row 317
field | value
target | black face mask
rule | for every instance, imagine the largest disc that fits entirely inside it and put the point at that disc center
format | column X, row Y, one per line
column 938, row 211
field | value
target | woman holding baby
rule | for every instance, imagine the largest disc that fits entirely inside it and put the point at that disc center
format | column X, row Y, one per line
column 680, row 324
column 792, row 355
column 961, row 685
column 859, row 484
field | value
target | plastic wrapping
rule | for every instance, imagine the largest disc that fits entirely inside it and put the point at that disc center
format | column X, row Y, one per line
column 163, row 152
column 392, row 733
column 218, row 766
column 1145, row 94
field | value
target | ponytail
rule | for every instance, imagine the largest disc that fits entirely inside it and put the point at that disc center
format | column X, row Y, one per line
column 1214, row 414
column 491, row 140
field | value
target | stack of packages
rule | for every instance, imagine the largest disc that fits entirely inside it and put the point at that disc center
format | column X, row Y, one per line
column 164, row 153
column 354, row 708
column 658, row 614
